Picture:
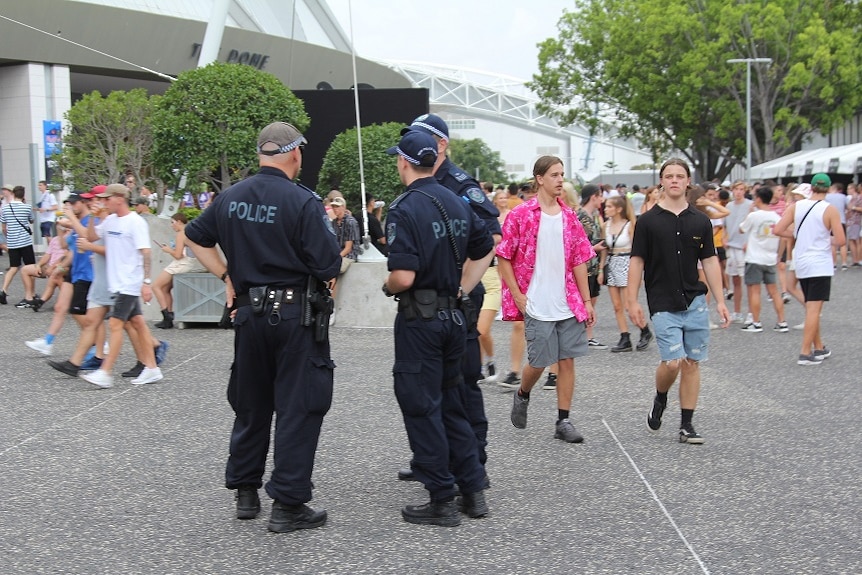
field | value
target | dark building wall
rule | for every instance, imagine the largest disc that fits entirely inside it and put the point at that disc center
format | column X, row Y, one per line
column 334, row 111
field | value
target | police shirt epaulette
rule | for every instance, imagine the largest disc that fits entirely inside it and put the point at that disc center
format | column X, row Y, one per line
column 458, row 174
column 398, row 199
column 313, row 193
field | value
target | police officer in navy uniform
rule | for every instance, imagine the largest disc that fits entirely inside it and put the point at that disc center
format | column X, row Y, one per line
column 437, row 249
column 278, row 242
column 460, row 183
column 427, row 275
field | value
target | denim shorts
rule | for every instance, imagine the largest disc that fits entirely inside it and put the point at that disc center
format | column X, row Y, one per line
column 683, row 334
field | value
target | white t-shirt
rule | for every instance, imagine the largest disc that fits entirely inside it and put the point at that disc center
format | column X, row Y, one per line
column 124, row 239
column 48, row 201
column 762, row 245
column 546, row 295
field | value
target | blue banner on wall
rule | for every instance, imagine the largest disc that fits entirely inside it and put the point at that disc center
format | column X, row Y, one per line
column 53, row 137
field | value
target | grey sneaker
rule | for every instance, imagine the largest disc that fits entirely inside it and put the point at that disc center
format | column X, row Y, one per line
column 567, row 432
column 808, row 360
column 821, row 354
column 519, row 411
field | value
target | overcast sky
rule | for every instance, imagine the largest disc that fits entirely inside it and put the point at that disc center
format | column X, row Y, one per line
column 498, row 36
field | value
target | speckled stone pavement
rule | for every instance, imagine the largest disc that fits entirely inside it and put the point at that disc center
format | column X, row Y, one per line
column 130, row 479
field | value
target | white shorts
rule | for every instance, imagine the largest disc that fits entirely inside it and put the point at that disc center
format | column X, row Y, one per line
column 735, row 264
column 185, row 265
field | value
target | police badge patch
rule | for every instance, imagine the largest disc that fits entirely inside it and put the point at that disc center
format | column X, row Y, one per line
column 476, row 195
column 390, row 233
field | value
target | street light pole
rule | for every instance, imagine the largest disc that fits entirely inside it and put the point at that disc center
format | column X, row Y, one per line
column 748, row 62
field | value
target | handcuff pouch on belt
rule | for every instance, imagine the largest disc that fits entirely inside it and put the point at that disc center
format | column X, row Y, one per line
column 268, row 300
column 317, row 306
column 418, row 303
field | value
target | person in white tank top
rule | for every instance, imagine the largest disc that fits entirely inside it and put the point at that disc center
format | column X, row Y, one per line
column 816, row 225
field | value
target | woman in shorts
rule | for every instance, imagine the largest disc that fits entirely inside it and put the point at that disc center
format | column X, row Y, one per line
column 184, row 263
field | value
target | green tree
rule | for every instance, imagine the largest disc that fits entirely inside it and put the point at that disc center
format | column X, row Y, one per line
column 657, row 69
column 207, row 122
column 341, row 165
column 475, row 155
column 105, row 137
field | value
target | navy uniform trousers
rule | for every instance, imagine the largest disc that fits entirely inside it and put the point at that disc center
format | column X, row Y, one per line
column 277, row 368
column 429, row 389
column 472, row 370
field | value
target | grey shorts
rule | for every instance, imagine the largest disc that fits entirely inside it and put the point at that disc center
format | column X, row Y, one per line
column 550, row 341
column 756, row 274
column 125, row 306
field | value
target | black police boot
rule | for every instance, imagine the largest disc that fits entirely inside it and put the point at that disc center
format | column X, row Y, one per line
column 646, row 337
column 406, row 474
column 440, row 513
column 167, row 320
column 625, row 343
column 473, row 504
column 247, row 503
column 286, row 518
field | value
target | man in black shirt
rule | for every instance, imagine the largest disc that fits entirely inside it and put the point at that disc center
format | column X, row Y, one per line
column 669, row 241
column 375, row 230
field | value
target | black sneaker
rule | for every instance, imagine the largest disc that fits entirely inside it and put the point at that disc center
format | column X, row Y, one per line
column 3, row 297
column 135, row 371
column 286, row 518
column 593, row 343
column 247, row 503
column 551, row 382
column 24, row 304
column 37, row 303
column 432, row 513
column 654, row 417
column 689, row 435
column 66, row 367
column 512, row 381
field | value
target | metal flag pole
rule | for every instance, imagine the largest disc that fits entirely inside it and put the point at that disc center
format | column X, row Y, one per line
column 368, row 254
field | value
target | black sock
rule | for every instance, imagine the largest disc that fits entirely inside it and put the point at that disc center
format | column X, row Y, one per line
column 524, row 394
column 661, row 397
column 562, row 414
column 687, row 414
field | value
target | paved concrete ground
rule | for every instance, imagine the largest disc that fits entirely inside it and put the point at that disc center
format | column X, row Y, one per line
column 129, row 480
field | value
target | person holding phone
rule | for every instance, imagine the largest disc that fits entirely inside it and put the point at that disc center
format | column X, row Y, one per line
column 184, row 263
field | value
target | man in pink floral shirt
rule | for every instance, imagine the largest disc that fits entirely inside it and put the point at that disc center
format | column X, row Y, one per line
column 542, row 260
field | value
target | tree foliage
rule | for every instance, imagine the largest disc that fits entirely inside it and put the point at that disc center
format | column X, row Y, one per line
column 475, row 155
column 341, row 165
column 207, row 122
column 105, row 137
column 657, row 69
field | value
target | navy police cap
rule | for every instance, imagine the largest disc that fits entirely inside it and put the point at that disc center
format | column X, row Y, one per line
column 418, row 148
column 430, row 124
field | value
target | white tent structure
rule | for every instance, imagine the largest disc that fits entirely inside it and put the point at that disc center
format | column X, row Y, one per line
column 846, row 160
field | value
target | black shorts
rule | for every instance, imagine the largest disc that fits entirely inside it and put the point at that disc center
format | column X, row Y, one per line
column 595, row 287
column 47, row 229
column 125, row 306
column 816, row 289
column 79, row 297
column 24, row 255
column 721, row 253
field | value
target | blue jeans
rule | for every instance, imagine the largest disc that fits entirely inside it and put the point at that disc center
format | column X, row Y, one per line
column 681, row 334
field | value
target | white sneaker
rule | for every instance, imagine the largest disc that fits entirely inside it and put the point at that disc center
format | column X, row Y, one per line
column 40, row 345
column 148, row 375
column 99, row 377
column 799, row 326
